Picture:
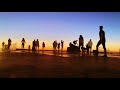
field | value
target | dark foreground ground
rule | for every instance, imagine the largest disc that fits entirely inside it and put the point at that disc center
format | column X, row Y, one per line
column 31, row 65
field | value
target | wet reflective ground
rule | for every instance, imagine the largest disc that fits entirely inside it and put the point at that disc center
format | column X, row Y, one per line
column 38, row 65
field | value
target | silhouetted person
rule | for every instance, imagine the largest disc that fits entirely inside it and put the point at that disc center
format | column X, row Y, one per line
column 55, row 44
column 37, row 44
column 9, row 43
column 3, row 45
column 102, row 40
column 54, row 47
column 90, row 43
column 81, row 42
column 29, row 48
column 58, row 47
column 23, row 42
column 70, row 44
column 62, row 44
column 87, row 47
column 33, row 47
column 75, row 42
column 43, row 45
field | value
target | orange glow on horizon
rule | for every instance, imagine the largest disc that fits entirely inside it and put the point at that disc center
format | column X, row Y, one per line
column 111, row 46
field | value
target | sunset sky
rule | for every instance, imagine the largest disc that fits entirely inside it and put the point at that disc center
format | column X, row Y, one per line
column 67, row 26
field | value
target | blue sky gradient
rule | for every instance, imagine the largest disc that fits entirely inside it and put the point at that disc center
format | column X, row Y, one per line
column 67, row 26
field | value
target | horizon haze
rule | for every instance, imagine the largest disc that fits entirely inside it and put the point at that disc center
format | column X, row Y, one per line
column 67, row 26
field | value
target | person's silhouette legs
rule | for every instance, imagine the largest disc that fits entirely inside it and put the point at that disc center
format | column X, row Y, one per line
column 98, row 44
column 103, row 44
column 104, row 49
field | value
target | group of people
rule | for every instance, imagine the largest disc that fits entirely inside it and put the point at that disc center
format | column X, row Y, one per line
column 81, row 44
column 4, row 46
column 101, row 41
column 90, row 43
column 35, row 45
column 57, row 45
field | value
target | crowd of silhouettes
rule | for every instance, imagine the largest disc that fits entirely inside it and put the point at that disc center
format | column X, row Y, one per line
column 56, row 45
column 88, row 47
column 4, row 46
column 35, row 45
column 80, row 47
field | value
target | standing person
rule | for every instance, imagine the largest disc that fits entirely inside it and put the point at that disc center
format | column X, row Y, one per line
column 33, row 47
column 87, row 47
column 9, row 43
column 37, row 44
column 101, row 41
column 3, row 45
column 23, row 43
column 43, row 45
column 29, row 48
column 81, row 42
column 55, row 45
column 62, row 44
column 58, row 47
column 90, row 43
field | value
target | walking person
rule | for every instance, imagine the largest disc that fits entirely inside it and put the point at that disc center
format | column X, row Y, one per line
column 102, row 41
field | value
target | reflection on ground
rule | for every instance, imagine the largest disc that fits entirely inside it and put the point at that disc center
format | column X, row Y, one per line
column 17, row 64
